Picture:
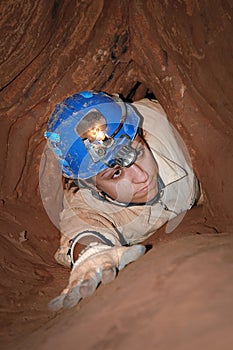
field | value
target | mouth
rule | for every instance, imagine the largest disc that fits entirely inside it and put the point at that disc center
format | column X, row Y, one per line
column 145, row 188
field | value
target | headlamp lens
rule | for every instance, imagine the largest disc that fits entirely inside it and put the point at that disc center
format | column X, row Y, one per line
column 96, row 134
column 92, row 126
column 126, row 156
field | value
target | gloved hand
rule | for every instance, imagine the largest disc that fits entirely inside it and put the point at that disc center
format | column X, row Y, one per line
column 96, row 263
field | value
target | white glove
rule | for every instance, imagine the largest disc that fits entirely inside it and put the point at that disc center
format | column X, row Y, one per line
column 96, row 263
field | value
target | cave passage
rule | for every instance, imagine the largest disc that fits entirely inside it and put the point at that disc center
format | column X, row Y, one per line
column 176, row 52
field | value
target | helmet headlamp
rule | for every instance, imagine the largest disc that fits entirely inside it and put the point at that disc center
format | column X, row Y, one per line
column 89, row 131
column 110, row 150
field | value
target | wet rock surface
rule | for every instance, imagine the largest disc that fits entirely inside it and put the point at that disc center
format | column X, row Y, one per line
column 179, row 294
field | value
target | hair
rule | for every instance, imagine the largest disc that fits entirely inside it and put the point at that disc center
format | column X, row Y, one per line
column 69, row 183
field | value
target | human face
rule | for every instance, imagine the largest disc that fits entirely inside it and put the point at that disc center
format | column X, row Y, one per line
column 135, row 184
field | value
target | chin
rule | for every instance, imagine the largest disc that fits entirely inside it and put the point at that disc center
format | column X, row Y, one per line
column 146, row 198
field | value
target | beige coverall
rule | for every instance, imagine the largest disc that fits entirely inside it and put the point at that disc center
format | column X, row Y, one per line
column 89, row 219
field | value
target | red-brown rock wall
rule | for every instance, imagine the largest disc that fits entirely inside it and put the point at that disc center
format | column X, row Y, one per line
column 179, row 50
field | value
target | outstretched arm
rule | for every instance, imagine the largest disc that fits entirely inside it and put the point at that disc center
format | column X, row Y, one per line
column 105, row 254
column 96, row 263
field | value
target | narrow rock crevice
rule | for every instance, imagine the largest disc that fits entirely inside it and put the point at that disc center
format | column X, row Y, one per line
column 174, row 51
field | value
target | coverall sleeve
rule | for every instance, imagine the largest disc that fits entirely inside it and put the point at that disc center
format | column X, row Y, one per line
column 84, row 226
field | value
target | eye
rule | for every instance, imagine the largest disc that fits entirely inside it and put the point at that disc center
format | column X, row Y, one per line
column 116, row 174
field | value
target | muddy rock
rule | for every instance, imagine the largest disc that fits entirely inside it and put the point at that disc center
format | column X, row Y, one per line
column 179, row 295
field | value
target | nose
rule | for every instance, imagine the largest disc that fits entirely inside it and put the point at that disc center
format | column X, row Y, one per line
column 136, row 174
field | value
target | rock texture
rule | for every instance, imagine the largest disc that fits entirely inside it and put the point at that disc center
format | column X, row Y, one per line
column 180, row 52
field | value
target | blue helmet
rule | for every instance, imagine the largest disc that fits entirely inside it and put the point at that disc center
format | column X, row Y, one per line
column 91, row 131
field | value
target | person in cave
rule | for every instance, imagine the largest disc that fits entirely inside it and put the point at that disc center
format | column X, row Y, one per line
column 127, row 173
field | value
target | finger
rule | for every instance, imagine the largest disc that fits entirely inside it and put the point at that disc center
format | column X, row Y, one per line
column 87, row 287
column 56, row 303
column 108, row 275
column 131, row 254
column 72, row 298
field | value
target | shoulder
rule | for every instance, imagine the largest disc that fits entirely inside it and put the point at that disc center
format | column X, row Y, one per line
column 149, row 108
column 155, row 125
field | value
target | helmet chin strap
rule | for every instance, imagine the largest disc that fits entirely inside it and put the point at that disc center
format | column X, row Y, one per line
column 123, row 114
column 104, row 197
